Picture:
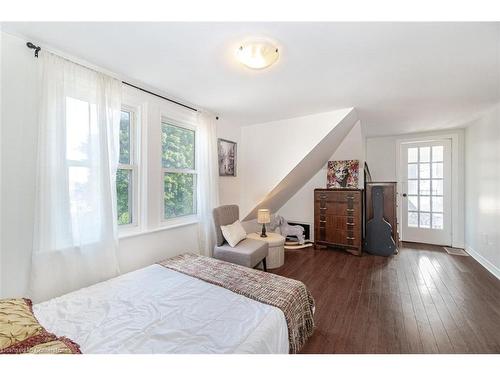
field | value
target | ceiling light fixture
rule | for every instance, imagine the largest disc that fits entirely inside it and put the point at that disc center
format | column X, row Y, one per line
column 257, row 54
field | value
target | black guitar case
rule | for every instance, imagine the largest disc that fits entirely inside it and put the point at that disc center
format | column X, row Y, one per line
column 379, row 239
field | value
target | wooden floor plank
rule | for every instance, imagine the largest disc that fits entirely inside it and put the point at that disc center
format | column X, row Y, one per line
column 422, row 300
column 466, row 339
column 409, row 315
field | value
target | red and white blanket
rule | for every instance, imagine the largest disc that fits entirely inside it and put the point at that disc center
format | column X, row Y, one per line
column 290, row 296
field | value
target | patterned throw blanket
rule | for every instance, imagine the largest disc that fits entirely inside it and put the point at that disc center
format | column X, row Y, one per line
column 290, row 296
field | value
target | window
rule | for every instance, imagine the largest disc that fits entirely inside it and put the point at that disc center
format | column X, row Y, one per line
column 179, row 171
column 126, row 172
column 425, row 187
column 82, row 133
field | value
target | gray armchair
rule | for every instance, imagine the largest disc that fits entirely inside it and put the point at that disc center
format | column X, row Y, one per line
column 248, row 253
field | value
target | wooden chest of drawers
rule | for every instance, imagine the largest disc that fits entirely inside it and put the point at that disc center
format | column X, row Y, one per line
column 338, row 219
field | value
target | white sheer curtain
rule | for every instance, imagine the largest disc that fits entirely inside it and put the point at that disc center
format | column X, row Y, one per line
column 75, row 234
column 208, row 180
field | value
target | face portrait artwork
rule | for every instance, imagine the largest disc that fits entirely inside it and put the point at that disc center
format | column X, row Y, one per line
column 342, row 174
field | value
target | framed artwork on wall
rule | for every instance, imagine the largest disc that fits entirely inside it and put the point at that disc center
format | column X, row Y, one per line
column 343, row 174
column 226, row 151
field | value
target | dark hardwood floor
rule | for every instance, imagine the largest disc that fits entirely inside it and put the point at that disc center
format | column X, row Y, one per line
column 419, row 301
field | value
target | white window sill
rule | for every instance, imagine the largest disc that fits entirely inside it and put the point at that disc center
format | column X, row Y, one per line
column 165, row 225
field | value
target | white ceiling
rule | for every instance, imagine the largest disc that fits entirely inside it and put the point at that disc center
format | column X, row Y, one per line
column 401, row 77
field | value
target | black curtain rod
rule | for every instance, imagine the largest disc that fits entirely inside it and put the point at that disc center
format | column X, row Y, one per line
column 159, row 96
column 37, row 49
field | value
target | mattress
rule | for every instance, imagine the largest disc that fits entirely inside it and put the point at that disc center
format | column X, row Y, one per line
column 157, row 310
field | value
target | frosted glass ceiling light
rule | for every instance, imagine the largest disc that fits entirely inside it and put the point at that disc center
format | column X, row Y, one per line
column 257, row 54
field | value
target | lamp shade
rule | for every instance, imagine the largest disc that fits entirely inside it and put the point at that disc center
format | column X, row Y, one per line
column 263, row 216
column 257, row 53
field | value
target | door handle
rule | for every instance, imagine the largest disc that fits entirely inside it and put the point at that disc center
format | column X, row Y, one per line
column 404, row 195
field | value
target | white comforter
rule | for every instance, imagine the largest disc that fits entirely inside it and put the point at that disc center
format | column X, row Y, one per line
column 157, row 310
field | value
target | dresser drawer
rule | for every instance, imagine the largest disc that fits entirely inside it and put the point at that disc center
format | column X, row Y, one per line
column 343, row 237
column 333, row 222
column 338, row 209
column 338, row 197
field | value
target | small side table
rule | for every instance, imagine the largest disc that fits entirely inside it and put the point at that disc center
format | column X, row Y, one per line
column 276, row 257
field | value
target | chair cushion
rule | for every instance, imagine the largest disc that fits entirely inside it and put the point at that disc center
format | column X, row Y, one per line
column 247, row 253
column 224, row 215
column 233, row 233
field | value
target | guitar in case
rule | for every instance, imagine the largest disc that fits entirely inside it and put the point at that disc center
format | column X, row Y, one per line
column 379, row 239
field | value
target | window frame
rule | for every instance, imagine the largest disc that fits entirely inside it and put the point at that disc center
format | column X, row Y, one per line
column 133, row 166
column 183, row 219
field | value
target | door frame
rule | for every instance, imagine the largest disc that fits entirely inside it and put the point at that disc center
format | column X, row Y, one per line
column 457, row 178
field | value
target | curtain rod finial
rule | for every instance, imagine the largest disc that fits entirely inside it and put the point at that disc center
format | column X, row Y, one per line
column 32, row 46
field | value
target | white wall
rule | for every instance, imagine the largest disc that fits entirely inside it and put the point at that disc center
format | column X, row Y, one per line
column 300, row 207
column 381, row 158
column 482, row 189
column 271, row 150
column 18, row 150
column 18, row 139
column 382, row 154
column 229, row 187
column 1, row 132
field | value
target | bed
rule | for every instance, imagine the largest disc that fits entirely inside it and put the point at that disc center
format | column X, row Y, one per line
column 160, row 310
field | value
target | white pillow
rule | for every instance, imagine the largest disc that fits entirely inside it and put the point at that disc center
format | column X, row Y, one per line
column 233, row 233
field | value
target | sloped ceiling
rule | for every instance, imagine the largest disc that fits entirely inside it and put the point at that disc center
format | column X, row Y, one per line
column 401, row 77
column 298, row 173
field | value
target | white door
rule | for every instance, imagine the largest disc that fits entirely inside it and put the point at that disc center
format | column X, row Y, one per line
column 426, row 192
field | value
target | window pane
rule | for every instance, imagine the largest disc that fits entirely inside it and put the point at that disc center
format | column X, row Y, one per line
column 425, row 154
column 437, row 153
column 124, row 196
column 437, row 221
column 80, row 190
column 412, row 171
column 412, row 219
column 84, row 206
column 425, row 220
column 425, row 187
column 177, row 147
column 412, row 203
column 79, row 118
column 413, row 155
column 437, row 187
column 413, row 187
column 425, row 203
column 437, row 204
column 125, row 138
column 437, row 170
column 179, row 195
column 425, row 170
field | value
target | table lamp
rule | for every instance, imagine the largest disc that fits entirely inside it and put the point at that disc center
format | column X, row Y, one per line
column 263, row 217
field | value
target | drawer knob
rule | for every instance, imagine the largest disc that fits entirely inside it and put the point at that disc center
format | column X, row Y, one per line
column 351, row 238
column 350, row 223
column 350, row 210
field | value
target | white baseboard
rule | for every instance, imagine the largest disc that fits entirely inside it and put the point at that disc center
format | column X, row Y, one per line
column 483, row 261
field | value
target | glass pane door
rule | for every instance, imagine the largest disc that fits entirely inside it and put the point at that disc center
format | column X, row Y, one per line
column 426, row 202
column 425, row 187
